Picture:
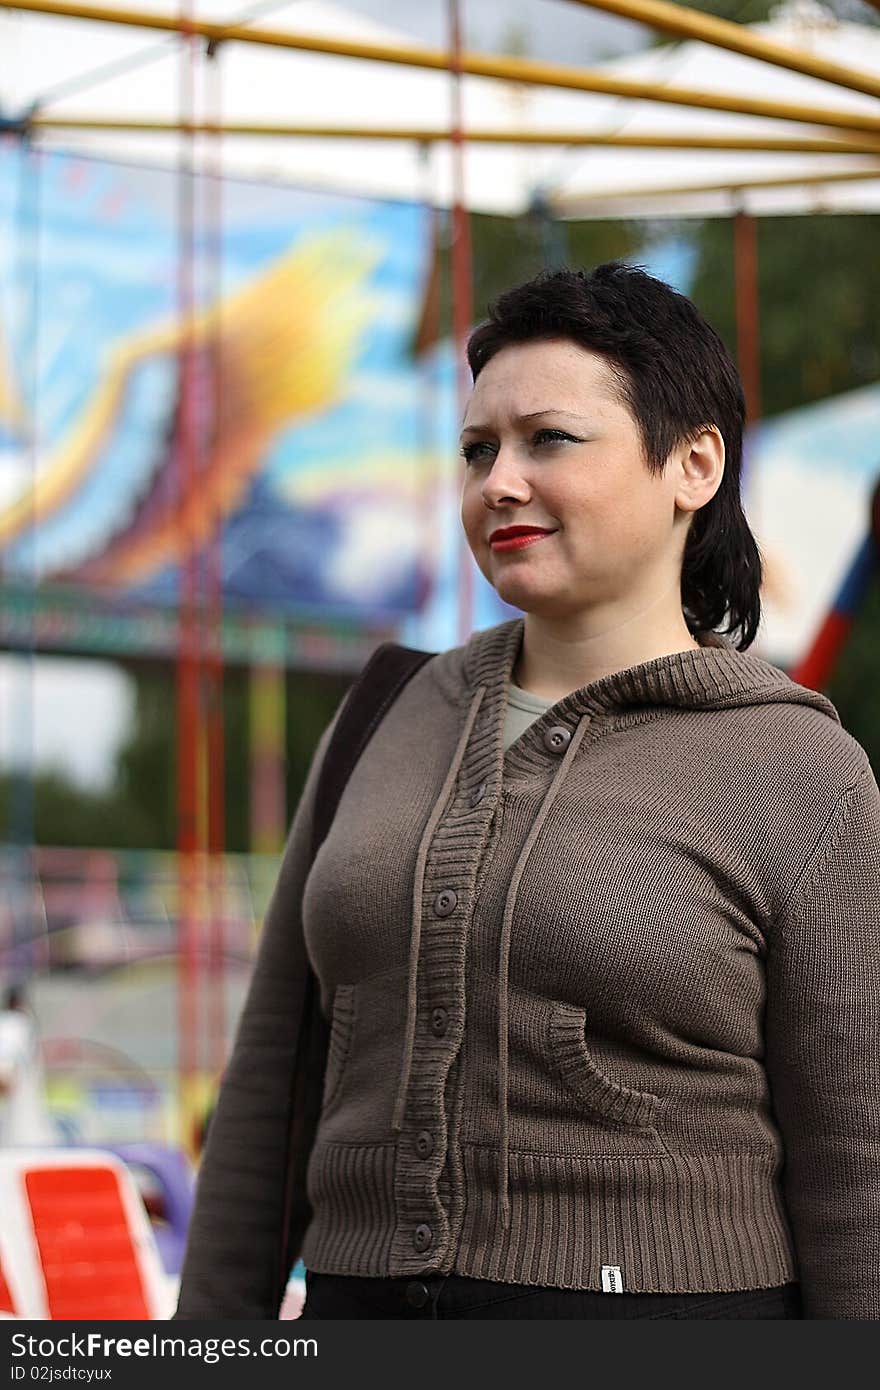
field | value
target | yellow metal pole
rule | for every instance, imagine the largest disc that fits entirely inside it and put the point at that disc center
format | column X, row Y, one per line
column 424, row 135
column 574, row 205
column 685, row 23
column 268, row 809
column 522, row 70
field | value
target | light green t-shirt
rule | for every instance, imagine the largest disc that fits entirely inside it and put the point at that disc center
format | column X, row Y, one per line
column 522, row 708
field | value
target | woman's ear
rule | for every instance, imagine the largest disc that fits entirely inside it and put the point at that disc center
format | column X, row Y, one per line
column 701, row 468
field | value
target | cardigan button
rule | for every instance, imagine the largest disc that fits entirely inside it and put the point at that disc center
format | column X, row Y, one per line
column 417, row 1293
column 424, row 1143
column 557, row 739
column 445, row 902
column 439, row 1022
column 422, row 1237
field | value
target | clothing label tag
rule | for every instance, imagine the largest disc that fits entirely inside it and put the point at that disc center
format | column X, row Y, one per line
column 612, row 1279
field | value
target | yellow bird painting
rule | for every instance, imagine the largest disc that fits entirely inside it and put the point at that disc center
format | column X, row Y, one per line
column 275, row 351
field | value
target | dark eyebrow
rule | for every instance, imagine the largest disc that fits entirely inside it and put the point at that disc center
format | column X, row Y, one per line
column 524, row 419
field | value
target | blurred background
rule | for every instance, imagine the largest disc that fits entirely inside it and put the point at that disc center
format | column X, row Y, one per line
column 237, row 267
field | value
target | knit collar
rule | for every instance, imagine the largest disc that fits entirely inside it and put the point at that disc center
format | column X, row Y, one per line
column 715, row 675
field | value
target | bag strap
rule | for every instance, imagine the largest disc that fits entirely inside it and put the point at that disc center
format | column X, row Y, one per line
column 368, row 701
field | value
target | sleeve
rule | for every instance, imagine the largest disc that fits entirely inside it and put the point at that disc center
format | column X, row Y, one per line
column 233, row 1243
column 823, row 1060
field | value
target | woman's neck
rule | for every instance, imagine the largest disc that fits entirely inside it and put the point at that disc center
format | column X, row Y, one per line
column 552, row 662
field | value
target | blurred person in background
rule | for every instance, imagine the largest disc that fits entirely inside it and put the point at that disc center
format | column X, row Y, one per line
column 597, row 922
column 24, row 1114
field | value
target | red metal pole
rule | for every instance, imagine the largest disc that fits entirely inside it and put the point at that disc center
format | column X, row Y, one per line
column 216, row 730
column 748, row 335
column 188, row 649
column 462, row 289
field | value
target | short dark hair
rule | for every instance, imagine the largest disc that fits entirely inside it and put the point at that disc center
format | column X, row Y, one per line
column 676, row 377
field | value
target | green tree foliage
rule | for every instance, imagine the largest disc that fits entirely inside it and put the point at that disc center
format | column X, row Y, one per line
column 145, row 764
column 65, row 813
column 754, row 11
column 737, row 11
column 504, row 255
column 312, row 700
column 505, row 251
column 819, row 287
column 139, row 809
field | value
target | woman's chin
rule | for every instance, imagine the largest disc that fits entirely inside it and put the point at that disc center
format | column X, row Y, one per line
column 530, row 598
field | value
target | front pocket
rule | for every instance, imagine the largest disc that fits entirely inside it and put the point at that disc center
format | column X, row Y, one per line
column 604, row 1098
column 339, row 1044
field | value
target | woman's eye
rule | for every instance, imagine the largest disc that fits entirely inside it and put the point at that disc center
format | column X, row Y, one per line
column 481, row 450
column 551, row 436
column 473, row 453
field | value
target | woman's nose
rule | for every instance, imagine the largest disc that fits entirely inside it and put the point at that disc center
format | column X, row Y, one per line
column 504, row 482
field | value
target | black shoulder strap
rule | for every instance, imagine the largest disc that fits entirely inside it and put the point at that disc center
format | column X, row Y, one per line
column 368, row 701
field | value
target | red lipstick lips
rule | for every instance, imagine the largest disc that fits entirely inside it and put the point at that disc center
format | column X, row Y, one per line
column 516, row 537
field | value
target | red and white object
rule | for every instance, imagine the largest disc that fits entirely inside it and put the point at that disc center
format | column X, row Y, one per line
column 8, row 1306
column 75, row 1240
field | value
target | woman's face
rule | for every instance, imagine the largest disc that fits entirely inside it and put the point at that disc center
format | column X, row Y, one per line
column 549, row 444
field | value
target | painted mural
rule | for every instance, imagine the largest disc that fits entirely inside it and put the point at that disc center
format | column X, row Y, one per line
column 316, row 443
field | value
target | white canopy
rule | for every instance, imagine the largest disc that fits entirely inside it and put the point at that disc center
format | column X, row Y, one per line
column 270, row 85
column 591, row 184
column 74, row 68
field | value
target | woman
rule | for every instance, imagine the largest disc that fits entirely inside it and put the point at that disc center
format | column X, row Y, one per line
column 597, row 922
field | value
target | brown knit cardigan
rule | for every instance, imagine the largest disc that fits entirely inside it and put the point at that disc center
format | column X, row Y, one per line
column 607, row 999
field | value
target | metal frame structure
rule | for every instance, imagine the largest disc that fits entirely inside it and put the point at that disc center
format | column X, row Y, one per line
column 524, row 71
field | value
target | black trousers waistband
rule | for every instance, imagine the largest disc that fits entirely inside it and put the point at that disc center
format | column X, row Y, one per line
column 454, row 1296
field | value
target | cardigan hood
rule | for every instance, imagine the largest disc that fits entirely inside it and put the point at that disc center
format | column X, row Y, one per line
column 717, row 676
